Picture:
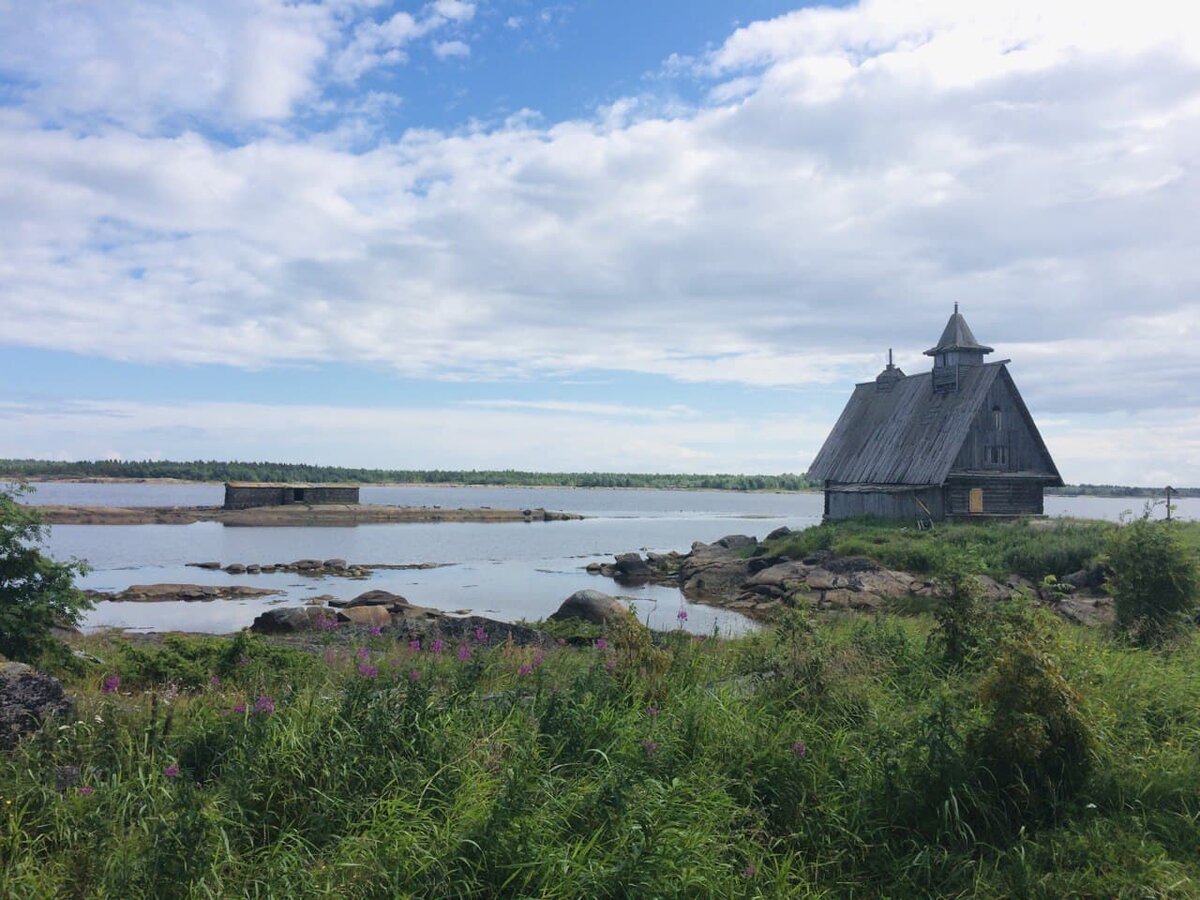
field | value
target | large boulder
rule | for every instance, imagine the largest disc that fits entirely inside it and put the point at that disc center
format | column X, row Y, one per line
column 288, row 620
column 365, row 615
column 27, row 698
column 591, row 606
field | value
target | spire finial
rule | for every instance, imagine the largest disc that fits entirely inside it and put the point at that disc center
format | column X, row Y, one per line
column 956, row 307
column 889, row 357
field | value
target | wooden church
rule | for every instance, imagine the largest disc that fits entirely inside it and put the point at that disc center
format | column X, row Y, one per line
column 955, row 442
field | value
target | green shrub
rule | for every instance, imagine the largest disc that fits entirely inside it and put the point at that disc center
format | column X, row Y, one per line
column 957, row 610
column 1154, row 581
column 1035, row 743
column 36, row 592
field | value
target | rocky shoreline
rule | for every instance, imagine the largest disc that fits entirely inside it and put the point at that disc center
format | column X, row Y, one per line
column 738, row 573
column 291, row 515
column 314, row 568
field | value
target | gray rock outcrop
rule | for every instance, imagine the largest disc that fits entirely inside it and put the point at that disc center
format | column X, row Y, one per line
column 591, row 606
column 27, row 698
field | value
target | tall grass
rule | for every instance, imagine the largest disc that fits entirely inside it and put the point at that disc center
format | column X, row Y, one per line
column 809, row 760
column 1033, row 549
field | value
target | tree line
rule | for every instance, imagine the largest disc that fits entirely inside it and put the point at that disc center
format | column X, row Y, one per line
column 216, row 470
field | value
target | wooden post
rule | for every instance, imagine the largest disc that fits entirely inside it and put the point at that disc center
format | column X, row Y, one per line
column 1169, row 489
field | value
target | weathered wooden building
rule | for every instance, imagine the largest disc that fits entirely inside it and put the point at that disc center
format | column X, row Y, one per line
column 957, row 441
column 247, row 494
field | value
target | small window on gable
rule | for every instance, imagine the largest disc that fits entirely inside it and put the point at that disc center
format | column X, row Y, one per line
column 996, row 456
column 997, row 419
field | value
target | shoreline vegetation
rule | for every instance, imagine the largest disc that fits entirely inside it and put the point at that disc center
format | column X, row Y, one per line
column 956, row 744
column 169, row 472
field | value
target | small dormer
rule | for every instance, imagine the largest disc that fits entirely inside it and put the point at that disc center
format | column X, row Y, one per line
column 887, row 379
column 957, row 347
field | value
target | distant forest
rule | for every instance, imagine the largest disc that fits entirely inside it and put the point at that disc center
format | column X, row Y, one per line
column 213, row 470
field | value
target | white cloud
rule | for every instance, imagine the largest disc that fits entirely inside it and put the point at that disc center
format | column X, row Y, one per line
column 852, row 173
column 451, row 49
column 139, row 62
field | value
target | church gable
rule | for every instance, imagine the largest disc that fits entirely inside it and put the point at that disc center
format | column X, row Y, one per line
column 1003, row 439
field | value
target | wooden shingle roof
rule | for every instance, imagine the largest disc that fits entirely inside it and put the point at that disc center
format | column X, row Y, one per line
column 908, row 435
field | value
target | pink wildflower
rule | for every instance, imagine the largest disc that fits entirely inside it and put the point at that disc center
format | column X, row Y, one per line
column 414, row 675
column 601, row 644
column 799, row 749
column 650, row 746
column 362, row 653
column 86, row 790
column 111, row 684
column 214, row 682
column 414, row 646
column 464, row 652
column 652, row 711
column 366, row 670
column 437, row 646
column 525, row 669
column 681, row 615
column 239, row 708
column 749, row 871
column 375, row 630
column 171, row 771
column 264, row 705
column 480, row 635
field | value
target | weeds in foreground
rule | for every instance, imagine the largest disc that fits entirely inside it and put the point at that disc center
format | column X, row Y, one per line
column 833, row 759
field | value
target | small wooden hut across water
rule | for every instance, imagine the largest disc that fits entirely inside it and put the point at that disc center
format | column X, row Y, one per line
column 247, row 494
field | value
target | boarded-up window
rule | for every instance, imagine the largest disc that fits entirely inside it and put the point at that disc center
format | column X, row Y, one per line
column 975, row 500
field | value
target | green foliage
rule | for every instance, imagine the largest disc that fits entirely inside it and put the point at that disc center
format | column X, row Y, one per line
column 1035, row 742
column 1154, row 582
column 1033, row 549
column 812, row 759
column 36, row 592
column 957, row 610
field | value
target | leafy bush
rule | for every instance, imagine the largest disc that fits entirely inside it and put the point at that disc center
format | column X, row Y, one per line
column 957, row 611
column 36, row 592
column 1035, row 744
column 1154, row 581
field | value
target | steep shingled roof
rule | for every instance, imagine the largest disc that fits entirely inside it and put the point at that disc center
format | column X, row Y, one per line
column 908, row 435
column 957, row 336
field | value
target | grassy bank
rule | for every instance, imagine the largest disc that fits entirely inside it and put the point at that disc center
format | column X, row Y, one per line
column 846, row 759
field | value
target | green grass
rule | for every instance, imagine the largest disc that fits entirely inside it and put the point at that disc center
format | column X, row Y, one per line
column 475, row 780
column 1034, row 548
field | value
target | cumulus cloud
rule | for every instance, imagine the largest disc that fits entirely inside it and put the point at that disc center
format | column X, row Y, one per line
column 450, row 49
column 851, row 173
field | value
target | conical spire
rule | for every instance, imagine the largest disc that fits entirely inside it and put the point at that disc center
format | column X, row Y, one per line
column 957, row 336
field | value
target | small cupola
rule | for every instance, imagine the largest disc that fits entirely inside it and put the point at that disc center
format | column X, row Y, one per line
column 887, row 379
column 957, row 347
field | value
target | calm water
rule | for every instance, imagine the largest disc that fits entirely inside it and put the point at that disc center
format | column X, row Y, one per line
column 507, row 571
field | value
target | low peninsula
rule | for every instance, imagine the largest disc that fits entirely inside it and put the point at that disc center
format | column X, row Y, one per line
column 291, row 515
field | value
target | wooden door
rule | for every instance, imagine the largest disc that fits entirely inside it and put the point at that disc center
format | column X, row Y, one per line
column 975, row 500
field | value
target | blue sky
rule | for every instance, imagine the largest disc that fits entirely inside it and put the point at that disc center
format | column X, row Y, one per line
column 656, row 236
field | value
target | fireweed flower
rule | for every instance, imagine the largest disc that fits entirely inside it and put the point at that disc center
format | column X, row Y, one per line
column 538, row 659
column 749, row 871
column 86, row 790
column 414, row 646
column 111, row 684
column 525, row 669
column 464, row 652
column 650, row 746
column 610, row 664
column 171, row 771
column 214, row 682
column 414, row 675
column 437, row 646
column 239, row 708
column 681, row 615
column 362, row 653
column 366, row 670
column 601, row 644
column 375, row 631
column 328, row 622
column 799, row 749
column 480, row 634
column 264, row 705
column 330, row 656
column 652, row 711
